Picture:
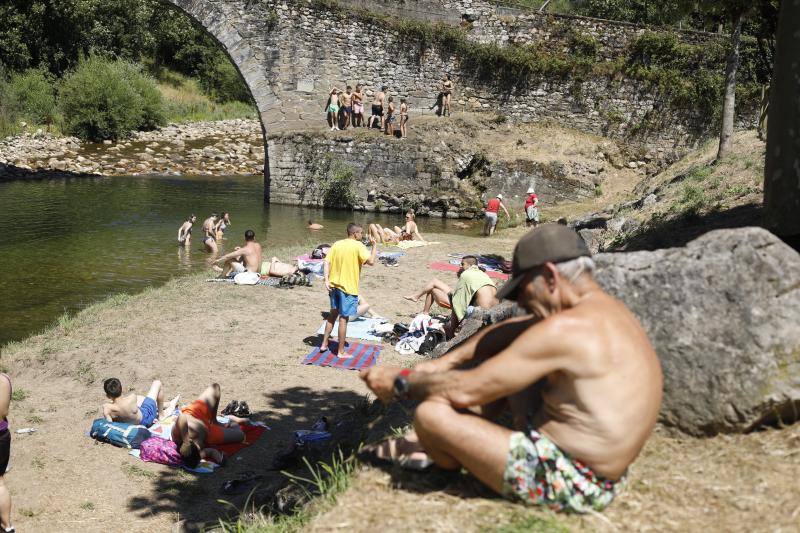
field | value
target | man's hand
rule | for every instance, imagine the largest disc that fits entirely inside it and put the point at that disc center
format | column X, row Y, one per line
column 380, row 380
column 328, row 285
column 372, row 240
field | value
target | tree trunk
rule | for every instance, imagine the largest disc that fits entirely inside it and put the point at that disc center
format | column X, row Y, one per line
column 782, row 167
column 729, row 100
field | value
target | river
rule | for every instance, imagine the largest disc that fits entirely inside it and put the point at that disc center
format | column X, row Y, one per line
column 70, row 242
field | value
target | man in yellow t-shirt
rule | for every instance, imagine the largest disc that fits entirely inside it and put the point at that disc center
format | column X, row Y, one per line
column 342, row 271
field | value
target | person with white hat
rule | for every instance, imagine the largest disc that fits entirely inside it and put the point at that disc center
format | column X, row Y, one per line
column 531, row 208
column 492, row 208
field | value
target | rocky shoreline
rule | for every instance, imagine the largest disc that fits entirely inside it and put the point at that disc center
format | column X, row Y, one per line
column 226, row 147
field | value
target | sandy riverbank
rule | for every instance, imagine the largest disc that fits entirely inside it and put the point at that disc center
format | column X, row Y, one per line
column 251, row 339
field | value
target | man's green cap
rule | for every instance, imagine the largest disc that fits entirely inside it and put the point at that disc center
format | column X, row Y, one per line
column 550, row 243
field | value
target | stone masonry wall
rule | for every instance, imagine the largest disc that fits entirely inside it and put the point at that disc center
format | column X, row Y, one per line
column 447, row 179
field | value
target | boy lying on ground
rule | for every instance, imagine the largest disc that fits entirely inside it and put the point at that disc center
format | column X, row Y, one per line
column 134, row 409
column 578, row 374
column 197, row 428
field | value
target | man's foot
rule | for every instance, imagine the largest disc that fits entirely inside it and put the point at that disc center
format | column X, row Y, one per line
column 405, row 451
column 323, row 348
column 412, row 298
column 343, row 356
column 216, row 268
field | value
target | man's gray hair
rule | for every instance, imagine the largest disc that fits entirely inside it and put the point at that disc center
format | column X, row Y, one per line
column 574, row 268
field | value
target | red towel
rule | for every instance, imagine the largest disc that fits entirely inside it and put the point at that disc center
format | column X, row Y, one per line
column 447, row 267
column 252, row 434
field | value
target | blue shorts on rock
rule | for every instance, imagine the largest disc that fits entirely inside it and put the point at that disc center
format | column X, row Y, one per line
column 346, row 304
column 149, row 411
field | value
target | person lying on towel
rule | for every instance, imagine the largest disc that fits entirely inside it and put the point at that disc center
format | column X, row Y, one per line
column 474, row 289
column 135, row 409
column 577, row 373
column 197, row 428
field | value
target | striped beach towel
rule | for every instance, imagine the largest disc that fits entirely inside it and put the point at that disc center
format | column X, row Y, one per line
column 361, row 355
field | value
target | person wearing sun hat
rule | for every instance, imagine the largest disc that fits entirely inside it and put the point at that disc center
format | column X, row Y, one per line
column 491, row 212
column 531, row 208
column 577, row 372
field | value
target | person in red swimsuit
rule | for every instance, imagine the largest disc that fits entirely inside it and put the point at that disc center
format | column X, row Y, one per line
column 492, row 208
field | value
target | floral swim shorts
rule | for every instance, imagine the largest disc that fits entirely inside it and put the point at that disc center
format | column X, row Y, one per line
column 539, row 473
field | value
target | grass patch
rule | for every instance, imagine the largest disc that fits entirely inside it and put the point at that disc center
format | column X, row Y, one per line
column 87, row 506
column 19, row 395
column 84, row 371
column 27, row 513
column 185, row 102
column 528, row 521
column 137, row 472
column 37, row 463
column 34, row 419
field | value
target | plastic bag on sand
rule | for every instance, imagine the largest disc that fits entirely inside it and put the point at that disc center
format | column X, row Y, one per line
column 246, row 278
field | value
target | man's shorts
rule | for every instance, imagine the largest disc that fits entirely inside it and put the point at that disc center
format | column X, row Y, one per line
column 346, row 304
column 532, row 213
column 149, row 411
column 201, row 411
column 539, row 473
column 491, row 218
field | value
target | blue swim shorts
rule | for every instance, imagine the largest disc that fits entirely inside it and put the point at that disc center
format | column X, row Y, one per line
column 149, row 411
column 346, row 304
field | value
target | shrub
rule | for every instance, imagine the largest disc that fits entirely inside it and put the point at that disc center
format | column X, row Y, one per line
column 337, row 186
column 221, row 81
column 106, row 99
column 31, row 95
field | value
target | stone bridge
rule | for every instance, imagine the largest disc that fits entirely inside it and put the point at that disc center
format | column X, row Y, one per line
column 290, row 52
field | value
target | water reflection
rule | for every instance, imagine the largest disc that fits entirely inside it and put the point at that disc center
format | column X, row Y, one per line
column 75, row 241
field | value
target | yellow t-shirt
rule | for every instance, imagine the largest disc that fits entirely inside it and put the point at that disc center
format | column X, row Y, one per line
column 345, row 258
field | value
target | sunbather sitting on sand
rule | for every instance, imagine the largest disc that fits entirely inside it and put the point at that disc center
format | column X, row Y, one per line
column 409, row 231
column 578, row 374
column 134, row 409
column 383, row 235
column 244, row 258
column 197, row 428
column 474, row 289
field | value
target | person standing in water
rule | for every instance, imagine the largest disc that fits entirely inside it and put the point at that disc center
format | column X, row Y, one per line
column 185, row 231
column 492, row 209
column 210, row 234
column 223, row 224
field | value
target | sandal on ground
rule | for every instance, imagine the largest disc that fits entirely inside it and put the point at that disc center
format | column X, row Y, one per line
column 387, row 452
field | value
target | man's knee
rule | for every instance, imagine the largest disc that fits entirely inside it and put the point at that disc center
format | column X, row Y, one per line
column 430, row 417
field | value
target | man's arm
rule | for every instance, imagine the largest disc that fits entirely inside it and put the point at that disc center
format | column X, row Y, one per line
column 236, row 252
column 504, row 209
column 374, row 255
column 534, row 354
column 106, row 412
column 326, row 270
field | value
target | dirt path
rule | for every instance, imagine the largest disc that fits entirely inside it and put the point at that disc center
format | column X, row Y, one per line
column 250, row 340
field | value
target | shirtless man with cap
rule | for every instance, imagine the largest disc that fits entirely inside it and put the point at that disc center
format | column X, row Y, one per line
column 197, row 428
column 578, row 374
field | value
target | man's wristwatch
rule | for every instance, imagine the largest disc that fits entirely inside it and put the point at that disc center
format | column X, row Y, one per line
column 401, row 385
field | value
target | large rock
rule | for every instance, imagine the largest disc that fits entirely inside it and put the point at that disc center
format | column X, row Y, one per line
column 724, row 316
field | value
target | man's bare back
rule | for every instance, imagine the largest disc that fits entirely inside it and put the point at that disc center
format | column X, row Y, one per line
column 251, row 256
column 612, row 359
column 124, row 409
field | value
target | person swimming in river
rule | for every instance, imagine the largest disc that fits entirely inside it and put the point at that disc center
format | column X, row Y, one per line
column 222, row 224
column 210, row 234
column 185, row 231
column 314, row 226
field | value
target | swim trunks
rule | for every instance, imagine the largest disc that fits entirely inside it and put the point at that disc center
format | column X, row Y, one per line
column 377, row 110
column 149, row 411
column 201, row 411
column 348, row 109
column 539, row 473
column 358, row 109
column 346, row 304
column 333, row 108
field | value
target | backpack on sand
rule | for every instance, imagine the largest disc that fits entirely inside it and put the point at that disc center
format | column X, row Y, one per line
column 119, row 433
column 162, row 451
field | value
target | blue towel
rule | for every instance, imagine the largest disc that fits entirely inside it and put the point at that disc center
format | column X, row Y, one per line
column 357, row 328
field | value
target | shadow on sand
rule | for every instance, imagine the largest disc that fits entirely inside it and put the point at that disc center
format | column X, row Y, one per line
column 197, row 501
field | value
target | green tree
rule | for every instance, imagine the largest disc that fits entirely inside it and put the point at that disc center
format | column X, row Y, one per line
column 108, row 99
column 31, row 94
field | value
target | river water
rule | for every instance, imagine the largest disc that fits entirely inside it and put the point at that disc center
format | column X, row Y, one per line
column 68, row 243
